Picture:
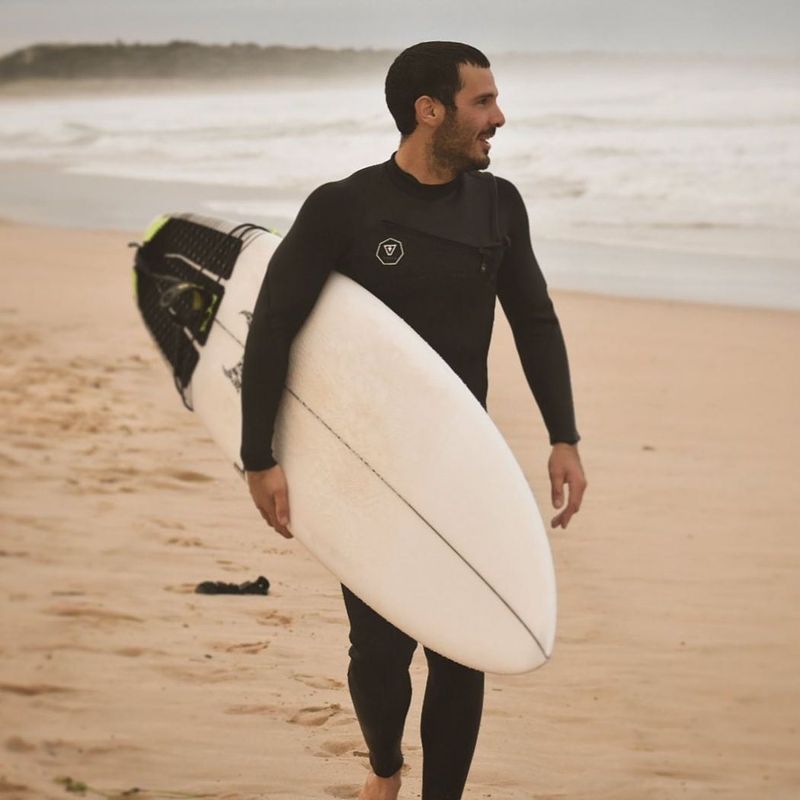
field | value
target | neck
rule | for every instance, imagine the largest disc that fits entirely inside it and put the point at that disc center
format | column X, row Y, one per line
column 415, row 156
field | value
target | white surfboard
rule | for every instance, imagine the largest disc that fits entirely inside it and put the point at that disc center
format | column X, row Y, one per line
column 399, row 482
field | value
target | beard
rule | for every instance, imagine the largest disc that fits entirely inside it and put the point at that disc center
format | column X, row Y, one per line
column 453, row 147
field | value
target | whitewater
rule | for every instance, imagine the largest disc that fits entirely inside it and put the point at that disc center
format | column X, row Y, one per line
column 675, row 155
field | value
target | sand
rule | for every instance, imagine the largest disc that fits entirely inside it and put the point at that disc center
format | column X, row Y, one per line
column 677, row 666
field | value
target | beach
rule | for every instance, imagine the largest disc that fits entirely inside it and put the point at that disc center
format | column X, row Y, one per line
column 676, row 672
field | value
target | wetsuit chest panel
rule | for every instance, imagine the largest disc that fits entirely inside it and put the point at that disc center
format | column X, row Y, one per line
column 444, row 288
column 435, row 263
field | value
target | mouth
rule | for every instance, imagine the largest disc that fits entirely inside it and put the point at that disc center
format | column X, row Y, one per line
column 484, row 139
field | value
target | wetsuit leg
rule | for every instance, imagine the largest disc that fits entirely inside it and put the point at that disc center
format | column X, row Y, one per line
column 380, row 685
column 451, row 717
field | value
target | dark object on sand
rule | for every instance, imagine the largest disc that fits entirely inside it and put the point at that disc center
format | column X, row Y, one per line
column 259, row 586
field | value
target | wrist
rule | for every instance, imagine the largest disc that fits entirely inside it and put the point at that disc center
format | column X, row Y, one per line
column 260, row 464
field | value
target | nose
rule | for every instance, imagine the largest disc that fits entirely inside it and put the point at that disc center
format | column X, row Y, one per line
column 499, row 118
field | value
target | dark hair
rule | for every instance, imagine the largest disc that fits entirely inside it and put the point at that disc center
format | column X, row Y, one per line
column 427, row 68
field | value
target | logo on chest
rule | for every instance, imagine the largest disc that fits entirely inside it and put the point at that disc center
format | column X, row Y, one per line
column 389, row 252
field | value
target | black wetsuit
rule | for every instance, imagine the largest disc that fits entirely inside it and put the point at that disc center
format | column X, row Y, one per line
column 439, row 256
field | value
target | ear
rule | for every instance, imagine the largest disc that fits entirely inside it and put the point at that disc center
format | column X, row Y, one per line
column 429, row 110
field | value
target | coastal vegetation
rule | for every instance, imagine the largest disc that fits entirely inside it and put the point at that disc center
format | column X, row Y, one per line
column 183, row 59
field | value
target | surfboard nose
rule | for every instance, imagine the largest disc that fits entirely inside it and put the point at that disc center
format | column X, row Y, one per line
column 541, row 642
column 547, row 639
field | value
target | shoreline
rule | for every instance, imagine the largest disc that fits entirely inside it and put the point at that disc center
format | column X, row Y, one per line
column 618, row 275
column 49, row 88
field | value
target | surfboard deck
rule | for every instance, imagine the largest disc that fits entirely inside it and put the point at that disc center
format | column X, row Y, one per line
column 399, row 482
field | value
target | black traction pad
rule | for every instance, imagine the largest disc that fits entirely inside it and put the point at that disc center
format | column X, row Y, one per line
column 177, row 301
column 213, row 250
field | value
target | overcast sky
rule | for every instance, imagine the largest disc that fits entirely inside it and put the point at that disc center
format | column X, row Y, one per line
column 710, row 26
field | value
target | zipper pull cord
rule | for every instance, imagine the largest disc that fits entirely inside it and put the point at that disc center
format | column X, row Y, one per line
column 484, row 253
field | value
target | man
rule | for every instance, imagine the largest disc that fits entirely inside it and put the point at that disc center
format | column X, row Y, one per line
column 466, row 242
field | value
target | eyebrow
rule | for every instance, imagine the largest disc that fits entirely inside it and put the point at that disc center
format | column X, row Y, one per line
column 486, row 95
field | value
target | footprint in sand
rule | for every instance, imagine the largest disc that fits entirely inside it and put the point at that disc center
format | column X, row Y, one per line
column 253, row 709
column 136, row 652
column 250, row 648
column 7, row 461
column 36, row 523
column 186, row 541
column 502, row 713
column 112, row 475
column 340, row 747
column 200, row 675
column 188, row 476
column 342, row 791
column 231, row 566
column 314, row 716
column 16, row 338
column 276, row 551
column 182, row 588
column 32, row 689
column 95, row 613
column 330, row 619
column 7, row 788
column 16, row 744
column 30, row 444
column 168, row 523
column 60, row 747
column 319, row 682
column 273, row 619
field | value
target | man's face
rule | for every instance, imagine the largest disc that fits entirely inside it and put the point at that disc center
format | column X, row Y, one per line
column 461, row 143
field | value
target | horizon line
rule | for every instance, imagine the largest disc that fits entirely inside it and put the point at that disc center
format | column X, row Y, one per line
column 646, row 53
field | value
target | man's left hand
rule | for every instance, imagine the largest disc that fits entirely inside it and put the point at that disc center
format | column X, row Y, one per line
column 565, row 467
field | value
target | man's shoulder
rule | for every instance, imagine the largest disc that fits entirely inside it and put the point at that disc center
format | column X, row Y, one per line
column 347, row 188
column 507, row 192
column 333, row 206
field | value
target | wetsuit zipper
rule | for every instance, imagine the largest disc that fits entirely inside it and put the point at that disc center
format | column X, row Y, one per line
column 482, row 251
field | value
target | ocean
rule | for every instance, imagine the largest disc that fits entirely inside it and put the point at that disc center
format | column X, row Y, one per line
column 671, row 176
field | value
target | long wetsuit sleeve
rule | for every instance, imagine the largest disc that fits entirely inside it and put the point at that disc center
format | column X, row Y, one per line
column 522, row 291
column 297, row 272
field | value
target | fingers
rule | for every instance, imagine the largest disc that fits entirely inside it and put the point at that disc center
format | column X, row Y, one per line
column 283, row 531
column 281, row 506
column 576, row 484
column 557, row 476
column 281, row 501
column 272, row 519
column 565, row 468
column 270, row 496
column 557, row 489
column 562, row 519
column 576, row 489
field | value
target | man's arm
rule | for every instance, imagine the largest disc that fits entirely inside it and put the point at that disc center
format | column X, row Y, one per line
column 297, row 272
column 522, row 291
